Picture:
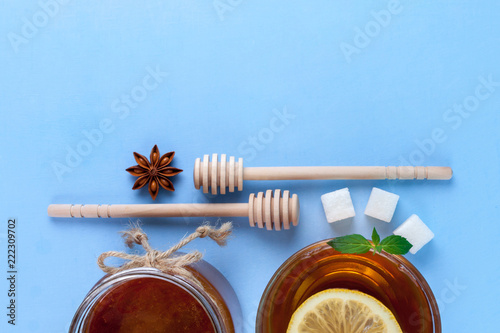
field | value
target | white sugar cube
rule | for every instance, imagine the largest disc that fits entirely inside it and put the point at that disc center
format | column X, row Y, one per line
column 381, row 204
column 416, row 232
column 338, row 205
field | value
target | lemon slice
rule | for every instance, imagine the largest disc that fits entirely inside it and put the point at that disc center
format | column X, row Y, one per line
column 342, row 311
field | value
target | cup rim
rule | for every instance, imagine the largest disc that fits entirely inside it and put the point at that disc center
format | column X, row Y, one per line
column 410, row 270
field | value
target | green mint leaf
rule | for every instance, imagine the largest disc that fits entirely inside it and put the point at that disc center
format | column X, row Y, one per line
column 375, row 237
column 378, row 248
column 351, row 244
column 395, row 244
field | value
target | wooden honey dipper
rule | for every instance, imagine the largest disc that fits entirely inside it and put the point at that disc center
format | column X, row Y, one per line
column 221, row 174
column 262, row 210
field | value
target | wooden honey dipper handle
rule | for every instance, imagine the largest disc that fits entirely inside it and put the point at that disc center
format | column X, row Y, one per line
column 215, row 174
column 148, row 210
column 269, row 211
column 348, row 172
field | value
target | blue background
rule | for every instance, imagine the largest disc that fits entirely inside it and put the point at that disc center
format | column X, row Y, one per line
column 230, row 71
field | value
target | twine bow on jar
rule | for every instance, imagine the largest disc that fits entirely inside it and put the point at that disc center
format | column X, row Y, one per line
column 164, row 261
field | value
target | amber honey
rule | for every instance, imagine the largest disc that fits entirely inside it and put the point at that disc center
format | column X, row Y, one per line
column 149, row 305
column 389, row 278
column 148, row 300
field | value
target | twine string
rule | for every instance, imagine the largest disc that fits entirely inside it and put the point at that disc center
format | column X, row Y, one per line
column 165, row 261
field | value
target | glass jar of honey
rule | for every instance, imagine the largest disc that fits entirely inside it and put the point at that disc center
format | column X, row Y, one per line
column 149, row 300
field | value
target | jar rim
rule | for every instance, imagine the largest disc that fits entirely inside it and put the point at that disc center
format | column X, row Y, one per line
column 112, row 280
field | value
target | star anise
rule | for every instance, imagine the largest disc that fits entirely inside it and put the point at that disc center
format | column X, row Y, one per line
column 155, row 172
